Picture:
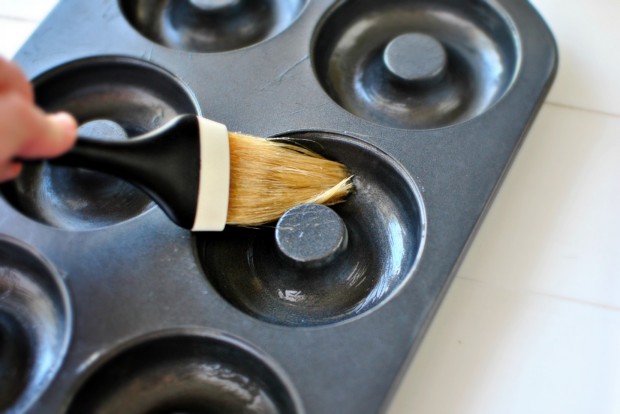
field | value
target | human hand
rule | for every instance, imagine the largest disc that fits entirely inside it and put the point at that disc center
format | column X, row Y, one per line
column 25, row 130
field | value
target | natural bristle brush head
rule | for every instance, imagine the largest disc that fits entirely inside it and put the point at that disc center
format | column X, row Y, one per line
column 269, row 177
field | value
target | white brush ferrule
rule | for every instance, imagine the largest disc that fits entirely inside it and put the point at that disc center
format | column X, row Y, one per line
column 214, row 184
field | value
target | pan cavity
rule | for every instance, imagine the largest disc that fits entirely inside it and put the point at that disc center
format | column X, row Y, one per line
column 113, row 99
column 320, row 265
column 186, row 372
column 210, row 25
column 417, row 64
column 35, row 325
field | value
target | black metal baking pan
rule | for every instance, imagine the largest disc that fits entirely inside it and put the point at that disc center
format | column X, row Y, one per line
column 106, row 306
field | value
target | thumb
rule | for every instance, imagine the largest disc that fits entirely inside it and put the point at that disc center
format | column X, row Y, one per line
column 55, row 136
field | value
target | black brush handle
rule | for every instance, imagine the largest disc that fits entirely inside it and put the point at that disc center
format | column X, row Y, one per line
column 165, row 164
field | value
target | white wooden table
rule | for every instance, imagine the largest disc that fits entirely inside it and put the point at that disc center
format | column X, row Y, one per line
column 531, row 323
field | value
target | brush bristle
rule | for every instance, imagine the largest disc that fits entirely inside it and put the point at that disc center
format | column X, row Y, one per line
column 268, row 177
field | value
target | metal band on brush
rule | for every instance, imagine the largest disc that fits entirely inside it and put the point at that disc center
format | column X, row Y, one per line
column 213, row 188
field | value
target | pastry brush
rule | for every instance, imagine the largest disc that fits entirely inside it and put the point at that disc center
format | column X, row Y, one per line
column 204, row 177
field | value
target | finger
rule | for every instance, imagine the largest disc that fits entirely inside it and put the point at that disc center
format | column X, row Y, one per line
column 16, row 121
column 27, row 132
column 12, row 79
column 59, row 133
column 10, row 171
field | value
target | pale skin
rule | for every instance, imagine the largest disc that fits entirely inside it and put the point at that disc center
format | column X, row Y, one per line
column 26, row 131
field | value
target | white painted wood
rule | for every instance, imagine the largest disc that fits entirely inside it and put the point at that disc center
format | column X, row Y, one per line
column 554, row 227
column 493, row 350
column 587, row 32
column 13, row 33
column 31, row 10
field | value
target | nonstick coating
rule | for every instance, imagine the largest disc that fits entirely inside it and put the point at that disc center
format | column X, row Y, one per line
column 426, row 101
